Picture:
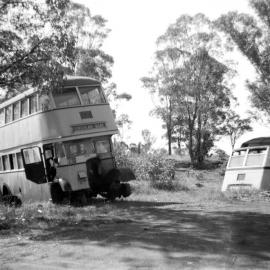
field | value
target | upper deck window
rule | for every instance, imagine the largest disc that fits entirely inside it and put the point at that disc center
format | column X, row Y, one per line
column 24, row 107
column 91, row 95
column 16, row 111
column 66, row 97
column 255, row 157
column 2, row 117
column 33, row 103
column 237, row 158
column 8, row 113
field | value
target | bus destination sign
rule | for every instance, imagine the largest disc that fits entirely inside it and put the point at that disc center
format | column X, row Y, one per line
column 88, row 126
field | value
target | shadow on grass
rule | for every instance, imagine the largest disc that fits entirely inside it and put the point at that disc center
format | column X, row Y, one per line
column 162, row 227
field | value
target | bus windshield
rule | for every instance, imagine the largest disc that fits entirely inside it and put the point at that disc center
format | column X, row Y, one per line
column 72, row 152
column 237, row 158
column 255, row 156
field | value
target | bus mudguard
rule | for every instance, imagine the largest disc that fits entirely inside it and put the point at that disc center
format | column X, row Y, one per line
column 65, row 185
column 126, row 174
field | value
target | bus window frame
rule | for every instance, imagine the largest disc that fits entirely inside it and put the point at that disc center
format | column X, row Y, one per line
column 100, row 90
column 256, row 154
column 13, row 106
column 35, row 96
column 28, row 107
column 17, row 160
column 1, row 165
column 4, row 113
column 69, row 106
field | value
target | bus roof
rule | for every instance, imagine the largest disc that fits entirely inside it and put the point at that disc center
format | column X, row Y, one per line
column 79, row 80
column 261, row 141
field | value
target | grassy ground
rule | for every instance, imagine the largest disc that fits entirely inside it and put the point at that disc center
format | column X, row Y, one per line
column 195, row 227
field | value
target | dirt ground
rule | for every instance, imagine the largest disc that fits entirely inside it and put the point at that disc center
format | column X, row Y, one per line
column 146, row 234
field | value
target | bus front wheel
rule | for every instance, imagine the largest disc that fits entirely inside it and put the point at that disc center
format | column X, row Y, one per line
column 57, row 194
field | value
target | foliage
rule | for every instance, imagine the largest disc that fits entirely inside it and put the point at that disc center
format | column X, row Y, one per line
column 153, row 167
column 41, row 41
column 162, row 172
column 190, row 84
column 123, row 122
column 234, row 126
column 148, row 140
column 90, row 32
column 252, row 37
column 37, row 47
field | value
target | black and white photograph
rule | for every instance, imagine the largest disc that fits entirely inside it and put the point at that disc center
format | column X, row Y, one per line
column 134, row 134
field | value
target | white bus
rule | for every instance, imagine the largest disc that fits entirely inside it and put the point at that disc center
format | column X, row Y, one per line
column 249, row 166
column 58, row 145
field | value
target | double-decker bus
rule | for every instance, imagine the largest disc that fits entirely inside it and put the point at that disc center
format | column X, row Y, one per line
column 249, row 166
column 58, row 145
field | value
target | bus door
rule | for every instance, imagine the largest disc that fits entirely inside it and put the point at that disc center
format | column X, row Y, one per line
column 33, row 165
column 49, row 157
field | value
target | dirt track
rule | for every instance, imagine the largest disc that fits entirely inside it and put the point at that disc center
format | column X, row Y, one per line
column 147, row 235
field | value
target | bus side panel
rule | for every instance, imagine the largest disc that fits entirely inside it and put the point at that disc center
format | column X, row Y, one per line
column 71, row 173
column 252, row 178
column 23, row 188
column 266, row 180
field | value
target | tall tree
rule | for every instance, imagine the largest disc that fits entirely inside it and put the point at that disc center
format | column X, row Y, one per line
column 202, row 99
column 90, row 31
column 36, row 46
column 234, row 126
column 148, row 140
column 187, row 43
column 41, row 41
column 251, row 34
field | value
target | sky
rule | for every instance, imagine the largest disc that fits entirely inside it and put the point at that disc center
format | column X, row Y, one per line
column 135, row 26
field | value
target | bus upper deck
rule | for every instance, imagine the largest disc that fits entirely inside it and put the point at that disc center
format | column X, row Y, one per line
column 249, row 166
column 79, row 109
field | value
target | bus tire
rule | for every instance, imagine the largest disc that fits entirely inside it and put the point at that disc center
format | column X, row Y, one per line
column 57, row 194
column 125, row 190
column 9, row 199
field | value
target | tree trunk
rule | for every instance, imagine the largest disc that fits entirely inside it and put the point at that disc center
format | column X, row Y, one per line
column 169, row 128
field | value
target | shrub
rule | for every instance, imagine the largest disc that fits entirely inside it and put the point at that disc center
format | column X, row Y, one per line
column 162, row 172
column 153, row 167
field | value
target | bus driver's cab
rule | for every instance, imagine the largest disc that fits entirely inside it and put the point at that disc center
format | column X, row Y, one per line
column 85, row 163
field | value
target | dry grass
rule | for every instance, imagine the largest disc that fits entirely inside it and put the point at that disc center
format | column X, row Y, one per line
column 191, row 187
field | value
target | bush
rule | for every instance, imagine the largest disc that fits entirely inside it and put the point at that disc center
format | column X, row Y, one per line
column 162, row 172
column 154, row 167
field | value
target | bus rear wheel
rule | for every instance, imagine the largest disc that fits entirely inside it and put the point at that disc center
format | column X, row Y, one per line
column 8, row 199
column 125, row 190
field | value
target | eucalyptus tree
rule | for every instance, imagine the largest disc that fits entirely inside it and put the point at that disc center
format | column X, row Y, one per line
column 36, row 47
column 251, row 34
column 234, row 126
column 190, row 83
column 90, row 32
column 41, row 41
column 203, row 100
